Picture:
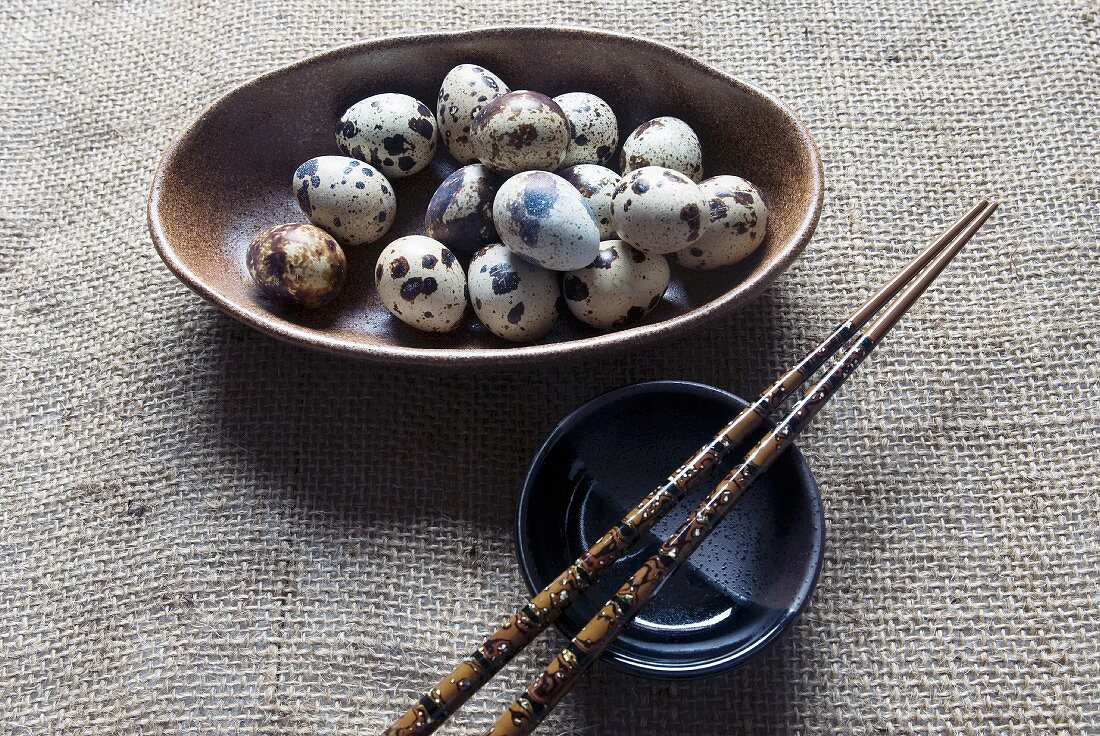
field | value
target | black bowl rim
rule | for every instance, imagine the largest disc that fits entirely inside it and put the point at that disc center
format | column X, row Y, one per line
column 655, row 669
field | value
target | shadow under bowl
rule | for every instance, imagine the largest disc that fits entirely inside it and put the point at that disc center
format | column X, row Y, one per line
column 227, row 176
column 737, row 594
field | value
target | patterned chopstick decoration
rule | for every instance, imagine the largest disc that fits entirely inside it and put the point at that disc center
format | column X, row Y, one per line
column 445, row 698
column 495, row 652
column 527, row 711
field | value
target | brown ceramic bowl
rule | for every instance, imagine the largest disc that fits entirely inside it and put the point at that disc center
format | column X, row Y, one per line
column 227, row 176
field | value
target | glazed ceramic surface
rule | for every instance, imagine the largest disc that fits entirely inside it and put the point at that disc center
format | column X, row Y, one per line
column 225, row 178
column 747, row 583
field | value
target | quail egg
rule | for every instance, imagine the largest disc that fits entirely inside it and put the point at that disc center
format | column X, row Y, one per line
column 618, row 288
column 465, row 90
column 597, row 185
column 460, row 214
column 521, row 131
column 541, row 216
column 738, row 222
column 394, row 133
column 664, row 141
column 422, row 284
column 516, row 300
column 593, row 129
column 658, row 210
column 297, row 264
column 348, row 198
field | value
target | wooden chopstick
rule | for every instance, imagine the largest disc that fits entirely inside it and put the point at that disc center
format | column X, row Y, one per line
column 528, row 710
column 427, row 714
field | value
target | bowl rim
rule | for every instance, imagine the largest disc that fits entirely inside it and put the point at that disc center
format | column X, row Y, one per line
column 507, row 356
column 653, row 668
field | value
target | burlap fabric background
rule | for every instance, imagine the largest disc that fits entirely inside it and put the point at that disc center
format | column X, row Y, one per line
column 205, row 531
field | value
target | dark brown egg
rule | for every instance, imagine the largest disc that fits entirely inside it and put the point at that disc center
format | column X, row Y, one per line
column 297, row 264
column 460, row 214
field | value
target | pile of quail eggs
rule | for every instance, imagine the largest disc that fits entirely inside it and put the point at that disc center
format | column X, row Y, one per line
column 534, row 212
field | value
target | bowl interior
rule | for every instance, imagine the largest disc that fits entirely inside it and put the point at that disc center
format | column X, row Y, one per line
column 228, row 176
column 742, row 588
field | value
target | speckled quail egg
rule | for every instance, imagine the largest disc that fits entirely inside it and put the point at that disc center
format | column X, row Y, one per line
column 422, row 284
column 348, row 198
column 618, row 288
column 521, row 131
column 515, row 299
column 394, row 133
column 593, row 129
column 664, row 141
column 738, row 222
column 658, row 210
column 543, row 218
column 597, row 185
column 297, row 264
column 460, row 214
column 465, row 90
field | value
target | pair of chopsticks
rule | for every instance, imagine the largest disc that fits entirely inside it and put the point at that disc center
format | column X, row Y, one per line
column 545, row 691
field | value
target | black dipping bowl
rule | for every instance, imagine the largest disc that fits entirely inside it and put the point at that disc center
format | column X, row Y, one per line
column 738, row 593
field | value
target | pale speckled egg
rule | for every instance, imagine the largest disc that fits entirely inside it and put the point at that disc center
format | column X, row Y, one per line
column 348, row 198
column 465, row 90
column 297, row 264
column 460, row 214
column 664, row 141
column 422, row 284
column 593, row 129
column 521, row 131
column 738, row 223
column 394, row 133
column 543, row 218
column 618, row 288
column 516, row 300
column 597, row 185
column 658, row 210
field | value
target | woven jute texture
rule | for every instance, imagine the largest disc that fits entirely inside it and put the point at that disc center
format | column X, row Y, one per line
column 205, row 531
